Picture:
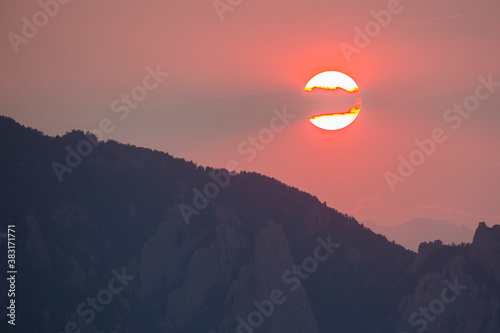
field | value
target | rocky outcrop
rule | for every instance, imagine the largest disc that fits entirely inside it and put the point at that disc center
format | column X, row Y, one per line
column 161, row 257
column 79, row 240
column 203, row 274
column 35, row 245
column 258, row 283
column 485, row 248
column 450, row 301
column 425, row 250
column 460, row 298
column 207, row 270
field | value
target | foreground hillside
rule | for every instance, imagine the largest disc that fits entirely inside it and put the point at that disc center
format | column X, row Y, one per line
column 115, row 238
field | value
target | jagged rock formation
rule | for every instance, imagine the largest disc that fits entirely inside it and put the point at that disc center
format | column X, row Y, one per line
column 462, row 297
column 425, row 250
column 36, row 249
column 485, row 248
column 257, row 282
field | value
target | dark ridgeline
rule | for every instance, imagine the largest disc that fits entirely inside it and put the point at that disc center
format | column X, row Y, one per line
column 112, row 230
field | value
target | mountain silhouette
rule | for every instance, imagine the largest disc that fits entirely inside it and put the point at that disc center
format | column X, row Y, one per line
column 410, row 234
column 117, row 238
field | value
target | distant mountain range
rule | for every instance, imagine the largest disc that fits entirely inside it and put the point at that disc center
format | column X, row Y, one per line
column 116, row 238
column 414, row 232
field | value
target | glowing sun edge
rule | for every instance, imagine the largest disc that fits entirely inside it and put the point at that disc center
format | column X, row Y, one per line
column 335, row 121
column 325, row 81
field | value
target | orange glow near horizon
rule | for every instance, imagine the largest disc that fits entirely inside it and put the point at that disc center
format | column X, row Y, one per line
column 332, row 80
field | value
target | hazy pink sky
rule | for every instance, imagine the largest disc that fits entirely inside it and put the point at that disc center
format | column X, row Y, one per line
column 227, row 76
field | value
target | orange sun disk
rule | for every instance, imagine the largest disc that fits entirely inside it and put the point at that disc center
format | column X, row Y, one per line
column 332, row 80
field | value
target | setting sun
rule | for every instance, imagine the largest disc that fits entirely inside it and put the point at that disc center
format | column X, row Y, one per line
column 334, row 119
